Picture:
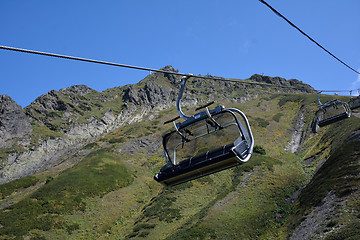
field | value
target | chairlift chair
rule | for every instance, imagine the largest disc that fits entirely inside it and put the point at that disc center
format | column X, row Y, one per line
column 354, row 103
column 329, row 113
column 208, row 142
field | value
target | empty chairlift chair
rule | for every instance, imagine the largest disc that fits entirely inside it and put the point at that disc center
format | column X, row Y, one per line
column 329, row 113
column 208, row 142
column 354, row 103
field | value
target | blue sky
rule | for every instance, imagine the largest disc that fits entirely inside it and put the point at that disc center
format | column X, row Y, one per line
column 228, row 38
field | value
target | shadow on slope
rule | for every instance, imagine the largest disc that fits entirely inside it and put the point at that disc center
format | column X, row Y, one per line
column 337, row 182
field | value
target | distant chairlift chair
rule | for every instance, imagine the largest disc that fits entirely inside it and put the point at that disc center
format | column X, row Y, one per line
column 354, row 103
column 329, row 113
column 208, row 142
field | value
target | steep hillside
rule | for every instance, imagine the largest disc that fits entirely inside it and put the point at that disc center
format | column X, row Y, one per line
column 86, row 171
column 59, row 123
column 328, row 206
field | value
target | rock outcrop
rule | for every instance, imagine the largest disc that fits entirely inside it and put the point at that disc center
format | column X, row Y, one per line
column 79, row 116
column 282, row 82
column 14, row 124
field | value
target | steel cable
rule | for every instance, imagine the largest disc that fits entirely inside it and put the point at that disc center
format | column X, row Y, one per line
column 310, row 38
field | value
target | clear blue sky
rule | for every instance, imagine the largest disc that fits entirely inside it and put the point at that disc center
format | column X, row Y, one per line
column 228, row 38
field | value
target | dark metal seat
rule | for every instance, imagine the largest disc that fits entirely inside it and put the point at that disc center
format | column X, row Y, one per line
column 354, row 103
column 333, row 119
column 204, row 164
column 329, row 113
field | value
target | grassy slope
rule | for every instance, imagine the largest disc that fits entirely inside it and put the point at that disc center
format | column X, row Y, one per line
column 339, row 174
column 112, row 196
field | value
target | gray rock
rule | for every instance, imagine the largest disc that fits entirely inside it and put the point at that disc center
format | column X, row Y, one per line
column 296, row 131
column 148, row 145
column 13, row 122
column 131, row 95
column 80, row 90
column 318, row 218
column 172, row 78
column 279, row 81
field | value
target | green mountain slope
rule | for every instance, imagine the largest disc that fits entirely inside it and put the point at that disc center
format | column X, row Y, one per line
column 103, row 189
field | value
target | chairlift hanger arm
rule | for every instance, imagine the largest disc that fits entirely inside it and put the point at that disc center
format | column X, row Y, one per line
column 319, row 98
column 178, row 102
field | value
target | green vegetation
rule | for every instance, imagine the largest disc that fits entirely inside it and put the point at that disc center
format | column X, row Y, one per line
column 257, row 160
column 277, row 117
column 262, row 122
column 91, row 145
column 133, row 131
column 304, row 99
column 78, row 108
column 4, row 153
column 161, row 209
column 200, row 232
column 338, row 174
column 99, row 173
column 259, row 149
column 40, row 132
column 16, row 185
column 290, row 98
column 245, row 209
column 140, row 230
column 349, row 232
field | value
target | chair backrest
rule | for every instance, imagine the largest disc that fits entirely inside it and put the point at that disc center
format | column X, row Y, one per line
column 354, row 103
column 332, row 112
column 203, row 135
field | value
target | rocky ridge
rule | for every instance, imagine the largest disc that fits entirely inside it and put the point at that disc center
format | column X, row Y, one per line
column 75, row 116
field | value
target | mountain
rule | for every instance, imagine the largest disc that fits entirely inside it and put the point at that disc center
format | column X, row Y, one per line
column 78, row 164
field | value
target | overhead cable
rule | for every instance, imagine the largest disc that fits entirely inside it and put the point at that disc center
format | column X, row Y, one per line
column 310, row 38
column 85, row 60
column 337, row 91
column 130, row 66
column 144, row 68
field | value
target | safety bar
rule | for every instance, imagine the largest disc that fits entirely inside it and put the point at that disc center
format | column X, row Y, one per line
column 248, row 131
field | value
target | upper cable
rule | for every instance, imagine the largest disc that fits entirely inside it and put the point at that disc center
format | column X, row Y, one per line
column 303, row 33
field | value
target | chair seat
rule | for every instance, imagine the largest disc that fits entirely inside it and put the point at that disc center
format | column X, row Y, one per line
column 354, row 103
column 202, row 164
column 332, row 119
